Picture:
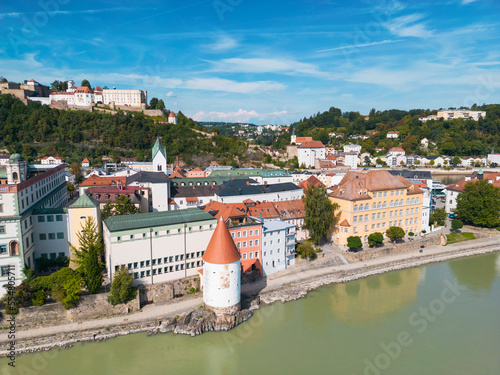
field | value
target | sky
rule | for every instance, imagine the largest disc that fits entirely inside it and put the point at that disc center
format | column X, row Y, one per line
column 259, row 61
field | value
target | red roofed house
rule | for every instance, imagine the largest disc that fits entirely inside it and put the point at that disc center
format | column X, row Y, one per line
column 309, row 151
column 313, row 180
column 172, row 118
column 85, row 163
column 392, row 134
column 245, row 232
column 195, row 172
column 102, row 181
column 84, row 96
column 293, row 212
column 395, row 156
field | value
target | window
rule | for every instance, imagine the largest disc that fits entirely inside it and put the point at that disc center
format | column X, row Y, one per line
column 244, row 244
column 59, row 218
column 135, row 265
column 256, row 232
column 250, row 233
column 41, row 219
column 392, row 203
column 239, row 245
column 42, row 236
column 373, row 216
column 4, row 270
column 50, row 218
column 142, row 264
column 366, row 217
column 250, row 243
column 385, row 194
column 232, row 235
column 244, row 256
column 256, row 242
column 238, row 235
column 355, row 208
column 2, row 229
column 392, row 193
column 250, row 255
column 60, row 236
column 244, row 233
column 53, row 255
column 3, row 249
column 118, row 239
column 416, row 210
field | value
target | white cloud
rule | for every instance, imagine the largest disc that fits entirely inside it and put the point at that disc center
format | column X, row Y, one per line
column 465, row 2
column 219, row 84
column 406, row 26
column 223, row 43
column 261, row 65
column 12, row 14
column 170, row 94
column 239, row 116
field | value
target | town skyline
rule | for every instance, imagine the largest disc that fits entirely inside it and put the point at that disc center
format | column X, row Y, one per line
column 240, row 62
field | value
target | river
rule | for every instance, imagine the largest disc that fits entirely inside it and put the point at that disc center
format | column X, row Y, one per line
column 436, row 319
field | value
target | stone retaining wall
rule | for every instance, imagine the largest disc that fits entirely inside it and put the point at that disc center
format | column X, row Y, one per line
column 164, row 292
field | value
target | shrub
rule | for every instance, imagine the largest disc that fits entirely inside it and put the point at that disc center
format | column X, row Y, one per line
column 306, row 250
column 375, row 239
column 39, row 298
column 411, row 234
column 121, row 289
column 354, row 243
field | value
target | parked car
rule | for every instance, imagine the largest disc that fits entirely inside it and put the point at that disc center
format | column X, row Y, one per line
column 452, row 216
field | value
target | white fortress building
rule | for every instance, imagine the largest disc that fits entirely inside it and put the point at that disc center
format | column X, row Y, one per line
column 221, row 275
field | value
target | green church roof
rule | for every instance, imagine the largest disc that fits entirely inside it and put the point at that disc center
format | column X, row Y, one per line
column 85, row 202
column 159, row 147
column 156, row 219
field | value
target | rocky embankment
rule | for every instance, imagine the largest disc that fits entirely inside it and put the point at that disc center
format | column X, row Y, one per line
column 199, row 321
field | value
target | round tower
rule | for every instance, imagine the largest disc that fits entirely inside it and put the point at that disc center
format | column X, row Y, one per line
column 222, row 273
column 17, row 169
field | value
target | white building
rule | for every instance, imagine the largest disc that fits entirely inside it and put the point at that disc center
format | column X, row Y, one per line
column 159, row 157
column 236, row 191
column 395, row 156
column 424, row 143
column 68, row 97
column 172, row 118
column 54, row 160
column 221, row 275
column 278, row 246
column 351, row 159
column 158, row 246
column 84, row 96
column 452, row 114
column 494, row 158
column 133, row 98
column 309, row 151
column 392, row 134
column 352, row 148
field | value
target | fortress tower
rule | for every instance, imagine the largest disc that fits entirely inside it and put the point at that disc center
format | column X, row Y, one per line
column 222, row 273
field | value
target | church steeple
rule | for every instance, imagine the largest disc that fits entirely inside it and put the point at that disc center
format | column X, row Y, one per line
column 159, row 156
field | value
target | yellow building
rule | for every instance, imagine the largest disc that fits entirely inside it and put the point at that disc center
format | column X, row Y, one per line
column 372, row 201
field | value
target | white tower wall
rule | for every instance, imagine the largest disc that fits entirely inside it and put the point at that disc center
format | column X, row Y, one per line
column 222, row 286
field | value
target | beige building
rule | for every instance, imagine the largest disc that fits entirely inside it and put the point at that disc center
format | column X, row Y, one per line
column 450, row 115
column 372, row 201
column 133, row 98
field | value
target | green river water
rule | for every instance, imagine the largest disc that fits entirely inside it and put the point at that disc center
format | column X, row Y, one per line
column 437, row 319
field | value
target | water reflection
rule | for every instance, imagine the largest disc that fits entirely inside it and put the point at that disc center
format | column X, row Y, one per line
column 476, row 272
column 374, row 297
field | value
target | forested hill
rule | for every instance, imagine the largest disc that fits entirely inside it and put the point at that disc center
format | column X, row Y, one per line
column 455, row 137
column 37, row 130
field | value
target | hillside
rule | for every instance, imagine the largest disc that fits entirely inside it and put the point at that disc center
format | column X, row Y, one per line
column 455, row 137
column 36, row 131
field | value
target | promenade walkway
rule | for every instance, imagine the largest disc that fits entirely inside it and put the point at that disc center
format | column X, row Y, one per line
column 293, row 275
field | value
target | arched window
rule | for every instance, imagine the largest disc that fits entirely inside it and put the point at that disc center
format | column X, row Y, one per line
column 367, row 207
column 374, row 205
column 392, row 203
column 384, row 205
column 379, row 205
column 14, row 175
column 355, row 208
column 418, row 200
column 14, row 248
column 401, row 202
column 413, row 201
column 408, row 201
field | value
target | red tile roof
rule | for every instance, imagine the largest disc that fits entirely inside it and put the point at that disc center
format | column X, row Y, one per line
column 293, row 209
column 103, row 181
column 172, row 114
column 394, row 149
column 83, row 90
column 303, row 139
column 313, row 180
column 344, row 223
column 191, row 199
column 85, row 160
column 312, row 144
column 221, row 248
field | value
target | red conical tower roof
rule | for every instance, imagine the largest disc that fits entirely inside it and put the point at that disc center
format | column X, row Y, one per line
column 221, row 248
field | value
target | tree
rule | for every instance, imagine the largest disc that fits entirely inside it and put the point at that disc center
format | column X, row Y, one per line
column 88, row 255
column 438, row 217
column 160, row 104
column 70, row 189
column 121, row 289
column 320, row 213
column 479, row 204
column 123, row 206
column 354, row 243
column 456, row 224
column 306, row 250
column 86, row 83
column 153, row 102
column 366, row 161
column 76, row 169
column 456, row 161
column 395, row 233
column 375, row 239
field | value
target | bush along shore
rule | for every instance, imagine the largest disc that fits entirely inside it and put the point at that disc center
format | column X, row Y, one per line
column 196, row 321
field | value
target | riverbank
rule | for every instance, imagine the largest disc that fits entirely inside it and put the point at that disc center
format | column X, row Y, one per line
column 277, row 288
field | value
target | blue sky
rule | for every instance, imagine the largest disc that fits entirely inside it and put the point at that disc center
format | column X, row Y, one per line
column 263, row 61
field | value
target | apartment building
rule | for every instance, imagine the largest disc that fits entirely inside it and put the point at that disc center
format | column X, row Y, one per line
column 372, row 201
